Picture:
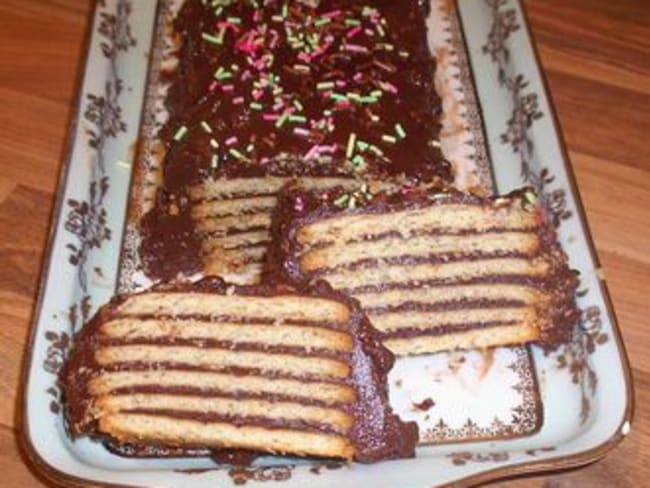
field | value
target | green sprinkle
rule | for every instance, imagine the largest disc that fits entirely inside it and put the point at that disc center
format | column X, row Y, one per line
column 352, row 22
column 234, row 152
column 297, row 118
column 338, row 97
column 281, row 121
column 362, row 145
column 222, row 74
column 531, row 197
column 342, row 200
column 180, row 133
column 210, row 38
column 387, row 138
column 234, row 20
column 206, row 127
column 322, row 21
column 325, row 85
column 350, row 149
column 368, row 99
column 123, row 164
column 358, row 161
column 401, row 133
column 256, row 106
column 285, row 11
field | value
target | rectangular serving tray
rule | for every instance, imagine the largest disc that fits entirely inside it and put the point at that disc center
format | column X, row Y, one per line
column 582, row 404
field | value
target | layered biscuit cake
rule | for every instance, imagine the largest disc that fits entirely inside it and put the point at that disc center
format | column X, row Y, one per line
column 208, row 366
column 433, row 271
column 327, row 91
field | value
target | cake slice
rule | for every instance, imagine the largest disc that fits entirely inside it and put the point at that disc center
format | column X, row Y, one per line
column 433, row 271
column 262, row 369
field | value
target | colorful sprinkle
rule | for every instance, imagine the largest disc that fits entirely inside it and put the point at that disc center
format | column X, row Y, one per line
column 350, row 147
column 211, row 38
column 180, row 133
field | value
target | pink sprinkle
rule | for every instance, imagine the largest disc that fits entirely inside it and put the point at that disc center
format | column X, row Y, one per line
column 315, row 149
column 358, row 77
column 304, row 57
column 213, row 86
column 270, row 116
column 301, row 131
column 231, row 140
column 238, row 100
column 299, row 204
column 340, row 83
column 228, row 25
column 332, row 14
column 246, row 75
column 274, row 39
column 228, row 88
column 257, row 93
column 257, row 16
column 353, row 32
column 357, row 48
column 388, row 86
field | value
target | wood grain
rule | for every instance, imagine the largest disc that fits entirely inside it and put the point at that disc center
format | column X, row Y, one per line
column 595, row 54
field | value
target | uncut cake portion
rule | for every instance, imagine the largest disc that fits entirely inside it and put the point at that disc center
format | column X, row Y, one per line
column 209, row 366
column 328, row 91
column 433, row 271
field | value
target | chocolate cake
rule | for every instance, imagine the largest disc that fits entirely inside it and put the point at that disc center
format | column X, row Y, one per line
column 433, row 271
column 266, row 369
column 328, row 91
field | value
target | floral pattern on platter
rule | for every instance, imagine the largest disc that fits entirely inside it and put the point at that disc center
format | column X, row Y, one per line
column 464, row 457
column 242, row 475
column 525, row 417
column 573, row 356
column 86, row 220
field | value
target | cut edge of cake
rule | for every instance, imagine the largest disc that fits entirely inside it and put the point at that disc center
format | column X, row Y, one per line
column 433, row 269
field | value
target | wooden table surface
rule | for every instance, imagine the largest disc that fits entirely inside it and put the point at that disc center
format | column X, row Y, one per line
column 596, row 54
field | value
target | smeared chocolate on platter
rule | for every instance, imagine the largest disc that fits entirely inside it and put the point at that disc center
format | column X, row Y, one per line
column 314, row 89
column 117, row 385
column 434, row 270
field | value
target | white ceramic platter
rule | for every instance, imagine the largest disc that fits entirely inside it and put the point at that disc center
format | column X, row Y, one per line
column 497, row 414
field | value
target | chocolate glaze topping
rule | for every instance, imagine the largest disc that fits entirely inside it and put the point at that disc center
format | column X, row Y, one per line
column 297, row 208
column 304, row 88
column 377, row 432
